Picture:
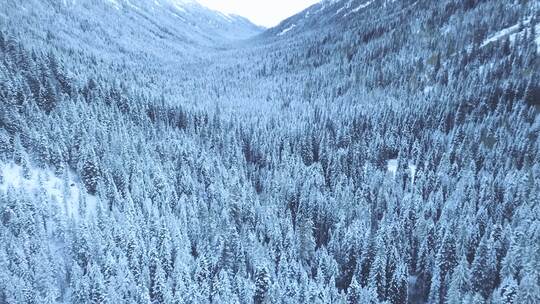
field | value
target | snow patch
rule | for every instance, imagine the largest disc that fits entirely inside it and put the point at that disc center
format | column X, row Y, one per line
column 537, row 38
column 286, row 30
column 500, row 34
column 65, row 191
column 392, row 166
column 512, row 32
column 356, row 10
column 180, row 5
column 227, row 17
column 428, row 89
column 346, row 6
column 179, row 8
column 133, row 5
column 115, row 4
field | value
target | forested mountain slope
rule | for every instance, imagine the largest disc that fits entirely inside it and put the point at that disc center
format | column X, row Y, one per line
column 116, row 29
column 374, row 152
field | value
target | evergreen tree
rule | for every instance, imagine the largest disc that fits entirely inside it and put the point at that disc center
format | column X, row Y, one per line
column 482, row 268
column 377, row 275
column 435, row 290
column 508, row 291
column 353, row 293
column 79, row 286
column 262, row 284
column 528, row 290
column 158, row 288
column 97, row 289
column 459, row 283
column 90, row 173
column 397, row 289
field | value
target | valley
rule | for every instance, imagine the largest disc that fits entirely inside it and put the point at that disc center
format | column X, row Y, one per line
column 359, row 152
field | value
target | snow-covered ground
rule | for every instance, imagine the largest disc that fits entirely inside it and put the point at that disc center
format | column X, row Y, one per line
column 361, row 6
column 286, row 30
column 65, row 191
column 512, row 32
column 115, row 4
column 392, row 166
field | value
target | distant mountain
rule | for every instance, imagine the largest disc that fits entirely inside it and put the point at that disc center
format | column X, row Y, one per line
column 117, row 26
column 338, row 12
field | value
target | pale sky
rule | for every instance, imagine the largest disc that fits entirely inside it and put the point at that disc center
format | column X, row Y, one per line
column 261, row 12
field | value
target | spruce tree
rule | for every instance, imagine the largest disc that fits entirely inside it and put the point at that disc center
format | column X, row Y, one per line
column 262, row 285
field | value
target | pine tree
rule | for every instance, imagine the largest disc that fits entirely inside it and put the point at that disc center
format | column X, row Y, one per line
column 528, row 290
column 79, row 286
column 97, row 289
column 202, row 277
column 222, row 291
column 5, row 144
column 435, row 289
column 306, row 240
column 482, row 272
column 477, row 299
column 57, row 161
column 158, row 288
column 377, row 275
column 19, row 153
column 459, row 283
column 90, row 173
column 262, row 284
column 353, row 293
column 446, row 255
column 397, row 289
column 508, row 290
column 47, row 97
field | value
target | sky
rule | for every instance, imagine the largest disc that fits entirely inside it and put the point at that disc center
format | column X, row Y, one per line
column 267, row 13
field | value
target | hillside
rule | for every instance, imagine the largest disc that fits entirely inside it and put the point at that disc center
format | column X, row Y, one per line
column 118, row 28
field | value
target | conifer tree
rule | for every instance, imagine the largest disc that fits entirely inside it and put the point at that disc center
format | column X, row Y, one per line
column 90, row 172
column 262, row 285
column 482, row 271
column 528, row 290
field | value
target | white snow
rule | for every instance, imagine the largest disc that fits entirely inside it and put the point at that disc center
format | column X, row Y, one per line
column 179, row 7
column 512, row 32
column 286, row 30
column 225, row 16
column 413, row 172
column 345, row 6
column 500, row 34
column 180, row 4
column 428, row 89
column 361, row 6
column 326, row 3
column 392, row 166
column 340, row 10
column 66, row 193
column 178, row 16
column 537, row 39
column 115, row 4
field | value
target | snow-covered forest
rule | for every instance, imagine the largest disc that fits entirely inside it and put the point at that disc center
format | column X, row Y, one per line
column 359, row 152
